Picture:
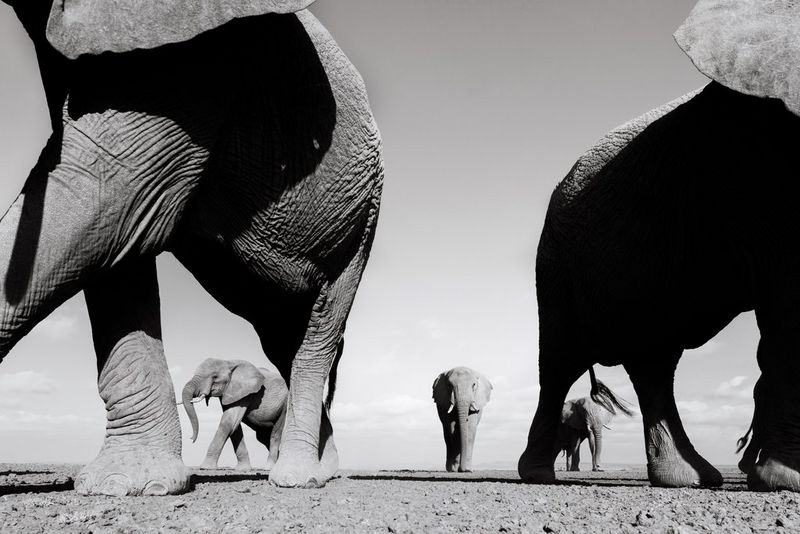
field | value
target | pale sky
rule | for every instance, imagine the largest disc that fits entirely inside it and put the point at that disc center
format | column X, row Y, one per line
column 483, row 106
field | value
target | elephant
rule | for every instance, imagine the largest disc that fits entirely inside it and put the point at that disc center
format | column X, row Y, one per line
column 460, row 395
column 235, row 135
column 584, row 418
column 248, row 394
column 671, row 226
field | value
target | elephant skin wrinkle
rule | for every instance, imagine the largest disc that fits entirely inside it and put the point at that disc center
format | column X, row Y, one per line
column 247, row 148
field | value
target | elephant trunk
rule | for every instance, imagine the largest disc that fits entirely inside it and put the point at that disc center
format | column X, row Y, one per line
column 598, row 447
column 190, row 391
column 466, row 431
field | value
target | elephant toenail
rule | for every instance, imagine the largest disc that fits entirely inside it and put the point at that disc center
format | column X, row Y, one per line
column 114, row 485
column 82, row 484
column 155, row 488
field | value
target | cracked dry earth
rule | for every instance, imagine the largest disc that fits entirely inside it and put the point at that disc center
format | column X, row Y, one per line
column 39, row 498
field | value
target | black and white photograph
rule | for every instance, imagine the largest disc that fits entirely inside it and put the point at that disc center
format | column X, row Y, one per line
column 399, row 266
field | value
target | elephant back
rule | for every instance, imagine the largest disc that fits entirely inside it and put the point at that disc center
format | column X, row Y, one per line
column 750, row 46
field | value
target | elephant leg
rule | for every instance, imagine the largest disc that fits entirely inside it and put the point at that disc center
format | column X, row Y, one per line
column 575, row 455
column 141, row 454
column 239, row 447
column 229, row 424
column 308, row 455
column 49, row 240
column 562, row 360
column 451, row 441
column 275, row 440
column 595, row 446
column 776, row 421
column 264, row 435
column 671, row 459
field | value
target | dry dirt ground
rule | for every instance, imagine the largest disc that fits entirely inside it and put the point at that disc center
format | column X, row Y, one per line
column 39, row 498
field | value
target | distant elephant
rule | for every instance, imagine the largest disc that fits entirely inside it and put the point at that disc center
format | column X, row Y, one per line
column 671, row 226
column 245, row 147
column 583, row 419
column 249, row 394
column 460, row 395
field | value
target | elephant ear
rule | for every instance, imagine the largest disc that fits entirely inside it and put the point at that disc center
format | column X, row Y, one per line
column 483, row 392
column 245, row 380
column 78, row 27
column 442, row 394
column 750, row 46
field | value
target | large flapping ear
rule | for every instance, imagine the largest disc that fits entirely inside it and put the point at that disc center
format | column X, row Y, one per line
column 442, row 392
column 78, row 27
column 245, row 380
column 483, row 392
column 750, row 46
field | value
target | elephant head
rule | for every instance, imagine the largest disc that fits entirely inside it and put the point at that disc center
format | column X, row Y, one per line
column 460, row 395
column 78, row 27
column 749, row 46
column 230, row 380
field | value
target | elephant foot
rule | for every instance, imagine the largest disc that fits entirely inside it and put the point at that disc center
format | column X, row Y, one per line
column 243, row 466
column 535, row 474
column 680, row 473
column 298, row 475
column 451, row 467
column 302, row 471
column 746, row 466
column 139, row 471
column 773, row 475
column 597, row 469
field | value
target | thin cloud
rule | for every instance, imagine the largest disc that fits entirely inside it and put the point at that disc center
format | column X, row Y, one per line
column 738, row 387
column 26, row 382
column 22, row 419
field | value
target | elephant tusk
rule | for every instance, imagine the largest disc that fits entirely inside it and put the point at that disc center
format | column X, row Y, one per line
column 450, row 409
column 194, row 401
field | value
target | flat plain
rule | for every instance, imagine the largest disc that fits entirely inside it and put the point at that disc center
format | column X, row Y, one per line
column 40, row 498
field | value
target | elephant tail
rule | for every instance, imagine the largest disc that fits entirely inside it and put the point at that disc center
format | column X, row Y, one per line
column 332, row 375
column 602, row 395
column 740, row 444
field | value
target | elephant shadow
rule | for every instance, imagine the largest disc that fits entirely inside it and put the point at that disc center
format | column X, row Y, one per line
column 215, row 477
column 18, row 481
column 734, row 481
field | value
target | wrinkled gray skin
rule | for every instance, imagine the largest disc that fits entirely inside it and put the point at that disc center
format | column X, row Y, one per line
column 250, row 153
column 582, row 419
column 248, row 394
column 460, row 395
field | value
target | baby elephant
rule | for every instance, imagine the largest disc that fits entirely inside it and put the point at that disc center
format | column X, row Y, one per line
column 584, row 418
column 255, row 396
column 460, row 395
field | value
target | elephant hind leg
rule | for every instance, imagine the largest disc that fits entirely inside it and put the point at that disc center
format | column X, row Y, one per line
column 671, row 459
column 141, row 453
column 776, row 420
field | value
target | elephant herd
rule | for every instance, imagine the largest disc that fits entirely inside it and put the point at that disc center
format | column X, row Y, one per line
column 238, row 137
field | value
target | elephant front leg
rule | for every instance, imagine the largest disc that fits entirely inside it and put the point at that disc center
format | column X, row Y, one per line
column 451, row 442
column 671, row 459
column 141, row 454
column 595, row 446
column 536, row 464
column 229, row 427
column 776, row 420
